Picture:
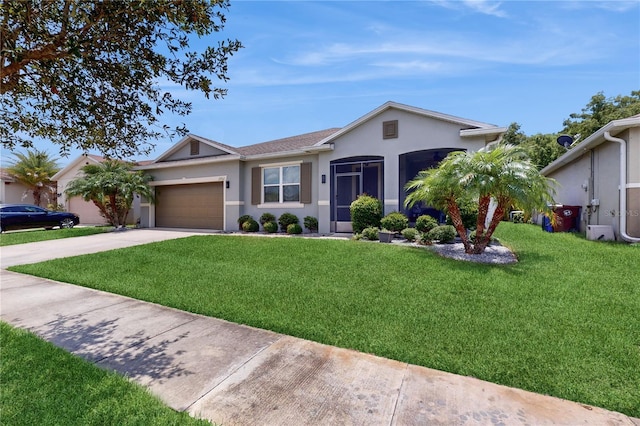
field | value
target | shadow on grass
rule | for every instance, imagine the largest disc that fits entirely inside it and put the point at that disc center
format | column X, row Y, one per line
column 98, row 342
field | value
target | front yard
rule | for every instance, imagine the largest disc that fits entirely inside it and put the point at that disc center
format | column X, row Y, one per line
column 563, row 321
column 44, row 385
column 30, row 236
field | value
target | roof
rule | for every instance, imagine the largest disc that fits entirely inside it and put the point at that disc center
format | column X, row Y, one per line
column 613, row 127
column 5, row 175
column 96, row 159
column 314, row 141
column 187, row 139
column 470, row 127
column 287, row 144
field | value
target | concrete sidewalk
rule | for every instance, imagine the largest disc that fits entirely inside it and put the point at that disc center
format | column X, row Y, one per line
column 238, row 375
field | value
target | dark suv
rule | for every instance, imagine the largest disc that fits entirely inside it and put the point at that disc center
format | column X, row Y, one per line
column 23, row 216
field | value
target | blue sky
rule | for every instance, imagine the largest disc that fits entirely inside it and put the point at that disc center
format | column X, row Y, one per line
column 311, row 65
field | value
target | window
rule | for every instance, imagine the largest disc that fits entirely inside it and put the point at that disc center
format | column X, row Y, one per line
column 281, row 184
column 287, row 183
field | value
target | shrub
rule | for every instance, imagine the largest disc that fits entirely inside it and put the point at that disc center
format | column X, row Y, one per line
column 287, row 219
column 468, row 212
column 442, row 233
column 424, row 239
column 426, row 223
column 311, row 223
column 294, row 228
column 366, row 211
column 370, row 233
column 518, row 217
column 410, row 234
column 472, row 238
column 395, row 222
column 250, row 226
column 267, row 217
column 242, row 219
column 270, row 227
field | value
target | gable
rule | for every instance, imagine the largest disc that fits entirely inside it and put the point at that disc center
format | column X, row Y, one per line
column 72, row 170
column 193, row 147
column 396, row 131
column 388, row 113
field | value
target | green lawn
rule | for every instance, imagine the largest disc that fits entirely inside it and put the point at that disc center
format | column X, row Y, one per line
column 21, row 237
column 563, row 321
column 44, row 385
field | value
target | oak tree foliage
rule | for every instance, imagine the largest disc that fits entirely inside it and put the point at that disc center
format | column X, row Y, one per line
column 93, row 74
column 543, row 148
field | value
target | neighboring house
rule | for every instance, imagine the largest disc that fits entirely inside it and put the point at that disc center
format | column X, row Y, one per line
column 13, row 191
column 602, row 175
column 87, row 211
column 200, row 183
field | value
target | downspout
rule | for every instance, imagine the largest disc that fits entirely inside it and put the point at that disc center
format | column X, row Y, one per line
column 489, row 146
column 623, row 188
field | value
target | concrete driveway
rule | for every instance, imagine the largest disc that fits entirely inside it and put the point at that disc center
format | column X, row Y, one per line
column 238, row 375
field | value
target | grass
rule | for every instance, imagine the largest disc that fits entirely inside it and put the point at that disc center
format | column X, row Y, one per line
column 563, row 321
column 22, row 237
column 44, row 385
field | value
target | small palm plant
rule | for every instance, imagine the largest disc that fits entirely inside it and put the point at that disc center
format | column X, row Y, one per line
column 35, row 170
column 111, row 186
column 503, row 175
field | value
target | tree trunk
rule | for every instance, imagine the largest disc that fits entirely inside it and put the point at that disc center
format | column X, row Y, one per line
column 113, row 210
column 482, row 242
column 36, row 196
column 483, row 209
column 456, row 218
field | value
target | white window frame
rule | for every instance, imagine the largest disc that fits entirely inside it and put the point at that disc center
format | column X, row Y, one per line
column 280, row 184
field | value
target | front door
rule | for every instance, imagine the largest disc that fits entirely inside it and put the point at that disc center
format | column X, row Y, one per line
column 348, row 187
column 350, row 178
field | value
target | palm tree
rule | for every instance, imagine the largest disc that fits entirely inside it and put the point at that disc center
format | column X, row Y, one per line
column 35, row 170
column 111, row 186
column 441, row 188
column 503, row 175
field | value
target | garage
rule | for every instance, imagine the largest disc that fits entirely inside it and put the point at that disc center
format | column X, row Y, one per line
column 198, row 206
column 88, row 212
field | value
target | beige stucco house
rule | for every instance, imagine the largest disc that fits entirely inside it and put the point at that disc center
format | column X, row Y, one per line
column 602, row 175
column 87, row 211
column 12, row 191
column 201, row 183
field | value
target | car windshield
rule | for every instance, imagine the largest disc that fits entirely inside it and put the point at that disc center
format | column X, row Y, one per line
column 35, row 209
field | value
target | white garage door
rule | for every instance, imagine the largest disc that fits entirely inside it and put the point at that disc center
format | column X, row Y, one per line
column 88, row 212
column 198, row 206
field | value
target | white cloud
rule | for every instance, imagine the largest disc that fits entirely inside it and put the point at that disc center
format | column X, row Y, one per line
column 486, row 7
column 619, row 6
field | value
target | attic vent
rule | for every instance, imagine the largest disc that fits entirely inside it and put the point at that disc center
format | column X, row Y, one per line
column 390, row 129
column 195, row 148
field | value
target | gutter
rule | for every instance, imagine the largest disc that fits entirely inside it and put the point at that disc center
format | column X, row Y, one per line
column 623, row 187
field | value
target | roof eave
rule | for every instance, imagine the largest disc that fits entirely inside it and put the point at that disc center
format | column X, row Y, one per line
column 184, row 140
column 424, row 112
column 591, row 142
column 309, row 150
column 189, row 162
column 74, row 163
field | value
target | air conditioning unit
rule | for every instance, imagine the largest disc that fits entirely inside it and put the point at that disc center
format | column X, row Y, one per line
column 600, row 233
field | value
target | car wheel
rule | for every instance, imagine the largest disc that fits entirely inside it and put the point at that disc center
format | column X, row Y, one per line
column 67, row 223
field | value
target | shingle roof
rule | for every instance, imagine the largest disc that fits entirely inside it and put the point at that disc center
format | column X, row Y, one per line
column 4, row 174
column 286, row 144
